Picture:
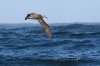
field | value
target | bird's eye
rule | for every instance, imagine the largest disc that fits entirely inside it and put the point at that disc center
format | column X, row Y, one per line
column 28, row 15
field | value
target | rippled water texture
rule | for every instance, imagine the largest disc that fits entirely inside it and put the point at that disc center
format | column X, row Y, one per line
column 28, row 45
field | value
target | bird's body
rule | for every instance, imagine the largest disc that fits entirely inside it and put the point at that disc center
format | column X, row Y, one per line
column 39, row 17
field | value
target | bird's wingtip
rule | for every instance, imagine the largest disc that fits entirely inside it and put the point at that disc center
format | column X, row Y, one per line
column 50, row 38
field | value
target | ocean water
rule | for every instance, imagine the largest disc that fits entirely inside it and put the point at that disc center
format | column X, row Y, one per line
column 28, row 45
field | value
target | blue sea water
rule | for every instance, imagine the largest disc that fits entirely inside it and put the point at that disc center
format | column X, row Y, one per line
column 28, row 45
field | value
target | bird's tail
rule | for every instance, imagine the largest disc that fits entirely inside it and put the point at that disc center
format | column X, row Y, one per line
column 45, row 16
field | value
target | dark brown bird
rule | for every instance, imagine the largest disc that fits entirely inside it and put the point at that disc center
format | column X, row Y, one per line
column 40, row 17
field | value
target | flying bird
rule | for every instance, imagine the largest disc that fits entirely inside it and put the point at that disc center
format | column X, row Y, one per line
column 39, row 18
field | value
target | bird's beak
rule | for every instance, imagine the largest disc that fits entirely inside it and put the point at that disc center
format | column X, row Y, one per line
column 26, row 18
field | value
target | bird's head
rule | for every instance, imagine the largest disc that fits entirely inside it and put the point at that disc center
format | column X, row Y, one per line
column 30, row 16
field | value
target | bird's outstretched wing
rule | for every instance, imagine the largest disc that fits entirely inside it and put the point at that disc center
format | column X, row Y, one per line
column 46, row 27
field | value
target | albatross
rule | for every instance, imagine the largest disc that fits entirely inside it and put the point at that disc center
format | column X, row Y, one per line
column 39, row 18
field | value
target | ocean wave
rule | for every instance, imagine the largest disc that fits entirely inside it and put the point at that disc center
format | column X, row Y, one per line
column 26, row 44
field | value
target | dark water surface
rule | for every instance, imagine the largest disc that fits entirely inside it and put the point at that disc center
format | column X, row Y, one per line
column 28, row 45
